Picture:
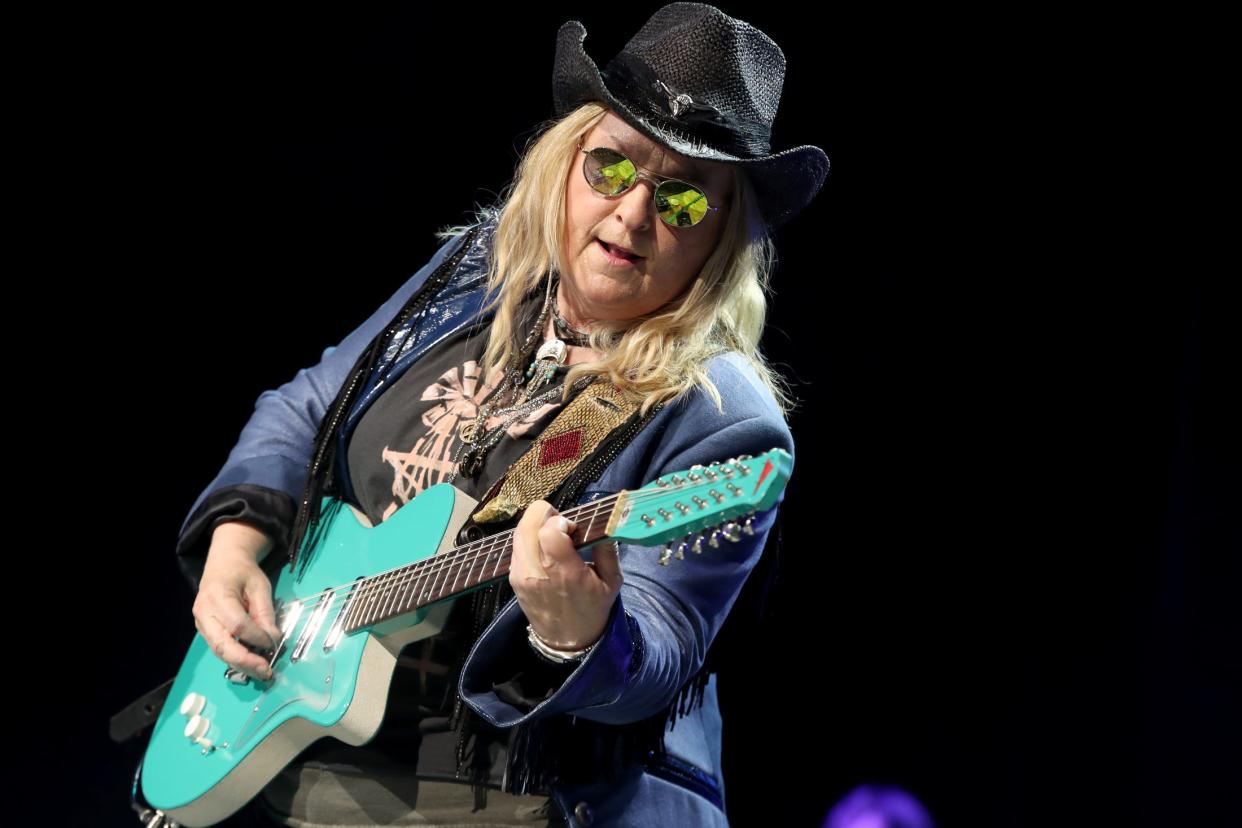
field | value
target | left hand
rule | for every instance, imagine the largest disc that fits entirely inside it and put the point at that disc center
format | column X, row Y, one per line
column 566, row 600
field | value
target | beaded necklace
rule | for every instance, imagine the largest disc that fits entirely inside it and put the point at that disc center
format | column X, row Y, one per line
column 523, row 386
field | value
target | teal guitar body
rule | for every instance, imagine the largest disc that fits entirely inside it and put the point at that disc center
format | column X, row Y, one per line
column 360, row 596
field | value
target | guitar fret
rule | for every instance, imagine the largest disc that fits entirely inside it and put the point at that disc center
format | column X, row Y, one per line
column 495, row 564
column 372, row 594
column 390, row 595
column 421, row 585
column 463, row 559
column 405, row 601
column 441, row 583
column 381, row 597
column 372, row 599
column 360, row 610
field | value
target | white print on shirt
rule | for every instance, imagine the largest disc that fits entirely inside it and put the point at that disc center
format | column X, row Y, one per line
column 431, row 458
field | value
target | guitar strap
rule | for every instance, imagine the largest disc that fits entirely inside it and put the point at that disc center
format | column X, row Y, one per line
column 139, row 714
column 573, row 435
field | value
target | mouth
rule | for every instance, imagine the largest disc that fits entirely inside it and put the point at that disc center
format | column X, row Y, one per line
column 618, row 253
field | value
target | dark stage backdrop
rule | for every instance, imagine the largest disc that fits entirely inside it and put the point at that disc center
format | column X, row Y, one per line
column 1009, row 541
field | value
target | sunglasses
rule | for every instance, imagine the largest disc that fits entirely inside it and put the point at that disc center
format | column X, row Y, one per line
column 678, row 203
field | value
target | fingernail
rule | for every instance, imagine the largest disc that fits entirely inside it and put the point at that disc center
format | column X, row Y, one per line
column 564, row 525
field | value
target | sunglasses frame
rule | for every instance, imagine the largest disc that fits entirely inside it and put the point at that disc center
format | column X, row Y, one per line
column 657, row 181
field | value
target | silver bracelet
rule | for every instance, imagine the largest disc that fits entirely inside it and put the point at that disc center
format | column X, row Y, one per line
column 558, row 656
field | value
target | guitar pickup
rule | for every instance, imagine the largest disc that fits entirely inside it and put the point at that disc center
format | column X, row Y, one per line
column 313, row 624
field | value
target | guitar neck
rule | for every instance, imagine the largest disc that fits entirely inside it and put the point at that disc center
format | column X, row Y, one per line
column 377, row 598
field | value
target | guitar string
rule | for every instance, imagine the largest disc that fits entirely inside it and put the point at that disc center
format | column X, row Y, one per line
column 578, row 514
column 375, row 585
column 474, row 550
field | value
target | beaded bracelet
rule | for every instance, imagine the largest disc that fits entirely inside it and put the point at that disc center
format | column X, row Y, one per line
column 555, row 656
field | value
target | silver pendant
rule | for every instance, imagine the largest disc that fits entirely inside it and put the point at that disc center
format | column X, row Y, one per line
column 552, row 349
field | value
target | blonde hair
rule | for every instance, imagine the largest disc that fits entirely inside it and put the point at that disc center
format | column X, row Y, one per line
column 660, row 355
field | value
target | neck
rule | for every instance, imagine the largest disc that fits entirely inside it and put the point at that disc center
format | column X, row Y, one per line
column 567, row 307
column 573, row 353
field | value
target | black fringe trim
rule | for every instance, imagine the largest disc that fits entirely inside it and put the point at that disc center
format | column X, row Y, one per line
column 570, row 750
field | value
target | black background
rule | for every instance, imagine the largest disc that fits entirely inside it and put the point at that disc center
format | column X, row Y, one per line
column 1010, row 541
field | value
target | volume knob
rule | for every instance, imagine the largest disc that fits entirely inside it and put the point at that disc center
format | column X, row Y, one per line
column 196, row 728
column 193, row 704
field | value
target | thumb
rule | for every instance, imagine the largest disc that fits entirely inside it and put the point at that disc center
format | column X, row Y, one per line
column 607, row 563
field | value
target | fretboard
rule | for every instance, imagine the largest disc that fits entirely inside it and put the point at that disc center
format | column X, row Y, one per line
column 386, row 595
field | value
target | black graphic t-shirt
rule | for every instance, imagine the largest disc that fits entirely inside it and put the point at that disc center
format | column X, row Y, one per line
column 407, row 441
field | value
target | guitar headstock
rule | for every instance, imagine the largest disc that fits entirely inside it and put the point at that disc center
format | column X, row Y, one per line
column 706, row 501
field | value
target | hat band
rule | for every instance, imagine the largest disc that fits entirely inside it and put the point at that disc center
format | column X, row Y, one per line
column 671, row 110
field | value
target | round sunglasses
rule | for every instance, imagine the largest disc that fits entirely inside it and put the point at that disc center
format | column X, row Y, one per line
column 610, row 173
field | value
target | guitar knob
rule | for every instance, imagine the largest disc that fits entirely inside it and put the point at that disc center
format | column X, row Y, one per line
column 196, row 728
column 193, row 704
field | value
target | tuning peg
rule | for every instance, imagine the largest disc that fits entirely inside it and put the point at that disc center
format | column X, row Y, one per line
column 714, row 539
column 732, row 531
column 665, row 556
column 697, row 546
column 681, row 550
column 747, row 528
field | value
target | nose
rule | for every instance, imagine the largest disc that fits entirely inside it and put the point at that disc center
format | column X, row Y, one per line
column 636, row 206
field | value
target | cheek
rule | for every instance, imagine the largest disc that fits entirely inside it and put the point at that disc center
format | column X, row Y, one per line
column 582, row 211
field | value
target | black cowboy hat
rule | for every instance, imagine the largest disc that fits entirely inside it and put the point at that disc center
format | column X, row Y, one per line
column 703, row 84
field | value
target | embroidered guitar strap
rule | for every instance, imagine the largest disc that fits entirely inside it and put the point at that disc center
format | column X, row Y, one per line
column 572, row 436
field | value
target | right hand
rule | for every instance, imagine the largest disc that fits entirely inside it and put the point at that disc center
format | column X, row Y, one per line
column 235, row 599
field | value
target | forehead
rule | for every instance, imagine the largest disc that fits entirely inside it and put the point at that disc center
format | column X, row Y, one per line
column 614, row 132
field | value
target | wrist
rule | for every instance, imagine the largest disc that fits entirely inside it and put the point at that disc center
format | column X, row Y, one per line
column 252, row 543
column 555, row 654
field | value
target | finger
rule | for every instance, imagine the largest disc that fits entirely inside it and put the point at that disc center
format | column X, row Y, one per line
column 558, row 547
column 228, row 610
column 262, row 610
column 606, row 557
column 526, row 551
column 231, row 652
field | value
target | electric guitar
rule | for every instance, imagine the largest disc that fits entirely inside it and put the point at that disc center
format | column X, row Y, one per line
column 366, row 593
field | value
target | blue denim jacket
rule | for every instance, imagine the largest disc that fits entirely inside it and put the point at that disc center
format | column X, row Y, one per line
column 664, row 618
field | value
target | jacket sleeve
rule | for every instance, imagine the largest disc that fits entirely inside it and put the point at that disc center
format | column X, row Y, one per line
column 263, row 476
column 664, row 617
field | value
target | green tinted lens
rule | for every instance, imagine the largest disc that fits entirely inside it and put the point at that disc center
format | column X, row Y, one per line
column 611, row 173
column 680, row 205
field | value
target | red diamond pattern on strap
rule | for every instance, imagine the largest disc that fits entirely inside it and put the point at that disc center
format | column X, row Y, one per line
column 565, row 446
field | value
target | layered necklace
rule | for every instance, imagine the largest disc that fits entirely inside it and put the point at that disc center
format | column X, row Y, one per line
column 529, row 389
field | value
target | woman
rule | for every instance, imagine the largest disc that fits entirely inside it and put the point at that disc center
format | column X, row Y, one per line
column 627, row 264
